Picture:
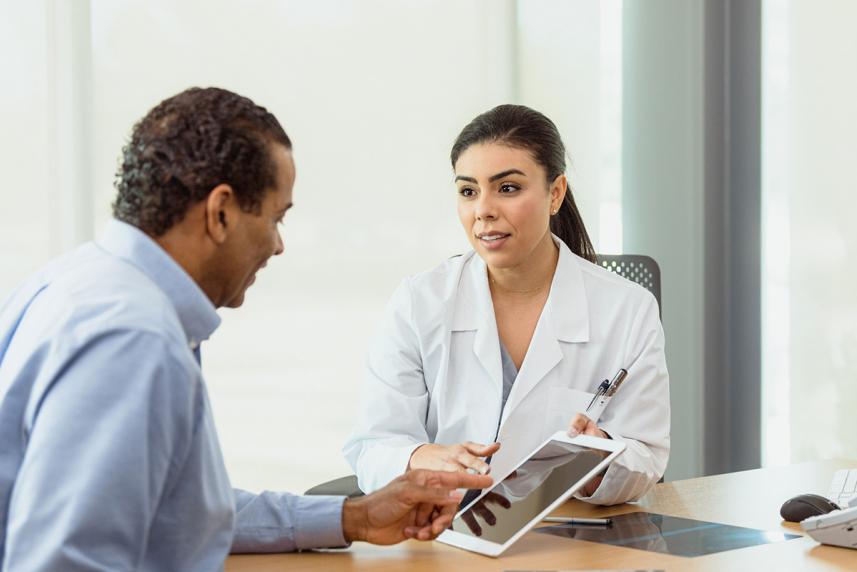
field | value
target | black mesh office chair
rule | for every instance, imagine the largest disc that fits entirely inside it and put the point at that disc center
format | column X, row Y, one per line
column 635, row 267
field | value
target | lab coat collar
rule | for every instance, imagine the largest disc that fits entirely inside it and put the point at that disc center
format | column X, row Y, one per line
column 567, row 303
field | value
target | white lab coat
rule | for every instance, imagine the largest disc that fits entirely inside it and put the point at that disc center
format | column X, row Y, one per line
column 434, row 374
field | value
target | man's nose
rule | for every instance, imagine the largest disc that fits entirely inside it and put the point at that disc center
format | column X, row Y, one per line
column 280, row 246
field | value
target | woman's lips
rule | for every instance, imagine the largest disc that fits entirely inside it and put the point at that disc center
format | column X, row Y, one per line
column 493, row 241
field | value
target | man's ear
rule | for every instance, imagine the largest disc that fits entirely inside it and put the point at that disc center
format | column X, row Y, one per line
column 219, row 212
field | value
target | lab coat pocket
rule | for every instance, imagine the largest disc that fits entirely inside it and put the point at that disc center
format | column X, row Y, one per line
column 563, row 404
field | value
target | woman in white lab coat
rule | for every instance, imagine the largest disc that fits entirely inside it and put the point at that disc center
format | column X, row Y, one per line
column 485, row 356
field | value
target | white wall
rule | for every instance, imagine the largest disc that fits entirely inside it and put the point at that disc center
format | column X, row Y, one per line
column 810, row 241
column 372, row 93
column 26, row 238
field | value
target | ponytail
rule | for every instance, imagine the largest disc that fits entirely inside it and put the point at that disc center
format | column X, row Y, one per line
column 568, row 225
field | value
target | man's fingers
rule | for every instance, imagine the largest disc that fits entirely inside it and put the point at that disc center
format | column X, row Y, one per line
column 449, row 480
column 441, row 523
column 423, row 514
column 432, row 495
column 419, row 533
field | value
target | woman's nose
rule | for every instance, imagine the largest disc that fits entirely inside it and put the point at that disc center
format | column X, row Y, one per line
column 485, row 208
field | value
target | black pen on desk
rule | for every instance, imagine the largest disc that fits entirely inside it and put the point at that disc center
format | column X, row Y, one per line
column 578, row 521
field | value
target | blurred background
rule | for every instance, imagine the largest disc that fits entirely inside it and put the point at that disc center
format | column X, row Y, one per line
column 717, row 136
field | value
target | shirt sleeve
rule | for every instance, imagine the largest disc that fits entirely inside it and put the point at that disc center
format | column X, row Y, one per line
column 639, row 414
column 392, row 413
column 103, row 442
column 283, row 522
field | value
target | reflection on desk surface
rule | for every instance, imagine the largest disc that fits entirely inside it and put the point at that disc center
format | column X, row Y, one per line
column 669, row 534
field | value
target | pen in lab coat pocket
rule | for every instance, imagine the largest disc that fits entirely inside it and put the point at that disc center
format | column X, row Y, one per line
column 603, row 396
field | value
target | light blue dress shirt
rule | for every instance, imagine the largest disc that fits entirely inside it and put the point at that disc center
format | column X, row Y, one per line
column 109, row 459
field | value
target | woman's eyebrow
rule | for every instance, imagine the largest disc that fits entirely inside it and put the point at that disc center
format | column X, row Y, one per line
column 506, row 174
column 493, row 177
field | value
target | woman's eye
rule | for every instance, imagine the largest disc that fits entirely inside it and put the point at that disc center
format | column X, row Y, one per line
column 467, row 192
column 508, row 188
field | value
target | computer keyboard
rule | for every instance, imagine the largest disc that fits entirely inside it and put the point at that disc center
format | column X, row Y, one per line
column 843, row 487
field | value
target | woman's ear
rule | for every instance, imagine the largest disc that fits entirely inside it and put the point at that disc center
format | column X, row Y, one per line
column 219, row 208
column 559, row 187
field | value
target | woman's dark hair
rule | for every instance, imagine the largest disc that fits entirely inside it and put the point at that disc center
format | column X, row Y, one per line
column 524, row 128
column 187, row 145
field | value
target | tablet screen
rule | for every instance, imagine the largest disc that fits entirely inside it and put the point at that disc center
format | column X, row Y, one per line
column 530, row 489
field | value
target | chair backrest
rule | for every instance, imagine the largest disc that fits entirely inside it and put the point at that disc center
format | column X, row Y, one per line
column 637, row 268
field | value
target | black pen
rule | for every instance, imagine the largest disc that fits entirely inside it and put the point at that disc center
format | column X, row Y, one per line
column 602, row 389
column 579, row 521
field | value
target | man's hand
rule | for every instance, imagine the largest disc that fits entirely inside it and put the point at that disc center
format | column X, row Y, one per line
column 457, row 458
column 580, row 424
column 419, row 504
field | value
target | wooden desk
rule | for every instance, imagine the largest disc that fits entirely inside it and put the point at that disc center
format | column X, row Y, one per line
column 749, row 498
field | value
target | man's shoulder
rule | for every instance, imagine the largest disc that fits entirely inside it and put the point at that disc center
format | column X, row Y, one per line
column 90, row 291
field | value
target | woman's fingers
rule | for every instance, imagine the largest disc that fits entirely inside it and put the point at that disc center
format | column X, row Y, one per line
column 466, row 457
column 578, row 425
column 469, row 461
column 481, row 450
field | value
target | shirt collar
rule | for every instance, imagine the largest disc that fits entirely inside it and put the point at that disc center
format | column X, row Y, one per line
column 567, row 302
column 196, row 313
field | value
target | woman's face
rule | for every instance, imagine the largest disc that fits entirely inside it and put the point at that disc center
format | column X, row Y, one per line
column 505, row 202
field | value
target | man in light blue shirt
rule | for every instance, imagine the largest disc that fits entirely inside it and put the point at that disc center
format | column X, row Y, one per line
column 109, row 459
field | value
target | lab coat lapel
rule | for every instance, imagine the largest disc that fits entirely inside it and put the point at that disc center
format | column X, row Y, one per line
column 475, row 311
column 565, row 318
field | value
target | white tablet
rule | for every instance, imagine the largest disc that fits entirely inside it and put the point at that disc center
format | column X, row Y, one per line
column 492, row 519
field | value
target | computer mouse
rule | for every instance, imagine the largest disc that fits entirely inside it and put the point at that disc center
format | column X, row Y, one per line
column 804, row 506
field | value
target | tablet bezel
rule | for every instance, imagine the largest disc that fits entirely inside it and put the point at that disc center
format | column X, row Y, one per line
column 489, row 548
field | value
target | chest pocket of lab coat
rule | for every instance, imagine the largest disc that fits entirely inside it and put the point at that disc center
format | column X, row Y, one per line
column 563, row 404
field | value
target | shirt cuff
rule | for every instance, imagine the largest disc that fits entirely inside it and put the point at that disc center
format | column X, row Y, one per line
column 385, row 462
column 319, row 523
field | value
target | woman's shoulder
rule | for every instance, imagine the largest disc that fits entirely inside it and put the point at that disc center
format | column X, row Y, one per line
column 443, row 277
column 605, row 284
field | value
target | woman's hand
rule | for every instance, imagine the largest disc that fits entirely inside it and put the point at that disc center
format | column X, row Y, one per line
column 456, row 458
column 580, row 424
